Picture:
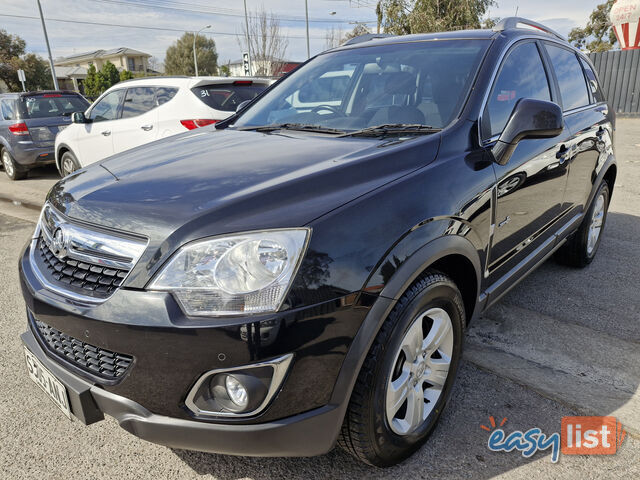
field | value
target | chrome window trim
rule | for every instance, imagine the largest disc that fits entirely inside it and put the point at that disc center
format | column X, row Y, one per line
column 280, row 368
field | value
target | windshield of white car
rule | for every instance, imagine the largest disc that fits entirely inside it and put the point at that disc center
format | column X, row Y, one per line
column 400, row 84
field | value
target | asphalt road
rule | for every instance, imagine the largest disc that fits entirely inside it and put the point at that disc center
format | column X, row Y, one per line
column 563, row 342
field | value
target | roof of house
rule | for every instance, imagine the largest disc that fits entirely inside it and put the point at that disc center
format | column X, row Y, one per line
column 272, row 59
column 114, row 52
column 68, row 72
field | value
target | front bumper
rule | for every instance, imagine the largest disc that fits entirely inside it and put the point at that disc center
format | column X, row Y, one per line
column 306, row 434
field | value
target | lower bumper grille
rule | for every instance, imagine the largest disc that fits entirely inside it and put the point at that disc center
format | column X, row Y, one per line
column 95, row 361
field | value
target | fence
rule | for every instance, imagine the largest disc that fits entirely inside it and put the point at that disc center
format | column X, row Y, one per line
column 619, row 73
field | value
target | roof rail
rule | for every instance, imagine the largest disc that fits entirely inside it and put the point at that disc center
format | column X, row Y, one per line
column 366, row 38
column 513, row 22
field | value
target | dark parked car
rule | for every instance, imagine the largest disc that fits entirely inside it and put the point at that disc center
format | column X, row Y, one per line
column 29, row 123
column 303, row 273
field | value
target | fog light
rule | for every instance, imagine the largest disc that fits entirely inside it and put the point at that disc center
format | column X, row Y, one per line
column 236, row 391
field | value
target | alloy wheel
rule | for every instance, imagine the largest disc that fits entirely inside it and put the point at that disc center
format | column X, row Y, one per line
column 8, row 164
column 420, row 371
column 596, row 224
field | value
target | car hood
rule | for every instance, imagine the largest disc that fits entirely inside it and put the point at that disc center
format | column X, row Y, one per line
column 212, row 182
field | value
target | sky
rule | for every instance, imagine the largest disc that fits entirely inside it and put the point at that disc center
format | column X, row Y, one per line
column 165, row 20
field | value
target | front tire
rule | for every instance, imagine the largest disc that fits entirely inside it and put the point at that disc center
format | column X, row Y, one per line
column 407, row 376
column 11, row 168
column 68, row 164
column 580, row 250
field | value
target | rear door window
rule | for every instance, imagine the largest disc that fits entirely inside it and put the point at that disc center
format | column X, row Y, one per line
column 594, row 86
column 138, row 100
column 573, row 88
column 227, row 96
column 522, row 75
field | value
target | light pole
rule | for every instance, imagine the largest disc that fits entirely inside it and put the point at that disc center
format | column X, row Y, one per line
column 46, row 39
column 246, row 24
column 195, row 57
column 306, row 12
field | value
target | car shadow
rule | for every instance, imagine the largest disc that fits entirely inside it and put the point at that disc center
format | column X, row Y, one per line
column 47, row 172
column 601, row 298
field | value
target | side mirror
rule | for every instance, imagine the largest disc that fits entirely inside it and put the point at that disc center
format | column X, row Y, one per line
column 78, row 117
column 241, row 105
column 530, row 119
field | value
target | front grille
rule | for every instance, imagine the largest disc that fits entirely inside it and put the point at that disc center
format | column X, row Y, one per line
column 96, row 361
column 86, row 278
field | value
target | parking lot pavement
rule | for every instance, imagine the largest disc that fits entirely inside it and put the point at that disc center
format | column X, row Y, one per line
column 563, row 342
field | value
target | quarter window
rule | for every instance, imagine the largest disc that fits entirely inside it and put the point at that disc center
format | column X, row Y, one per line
column 522, row 76
column 107, row 108
column 164, row 94
column 139, row 100
column 7, row 110
column 573, row 88
column 596, row 91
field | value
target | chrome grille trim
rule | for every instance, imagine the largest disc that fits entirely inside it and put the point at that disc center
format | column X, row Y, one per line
column 83, row 244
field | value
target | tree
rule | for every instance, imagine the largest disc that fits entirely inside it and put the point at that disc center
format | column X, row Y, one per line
column 225, row 71
column 401, row 17
column 333, row 37
column 179, row 57
column 598, row 34
column 268, row 45
column 110, row 73
column 95, row 83
column 359, row 29
column 125, row 75
column 13, row 58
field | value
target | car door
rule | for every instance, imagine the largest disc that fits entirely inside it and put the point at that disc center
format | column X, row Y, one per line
column 586, row 116
column 530, row 187
column 94, row 141
column 139, row 121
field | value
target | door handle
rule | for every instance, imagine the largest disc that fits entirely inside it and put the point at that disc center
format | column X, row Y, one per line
column 106, row 133
column 146, row 128
column 600, row 132
column 563, row 154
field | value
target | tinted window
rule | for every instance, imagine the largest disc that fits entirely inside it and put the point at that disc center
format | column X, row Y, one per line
column 164, row 94
column 107, row 108
column 596, row 91
column 411, row 83
column 8, row 112
column 51, row 105
column 522, row 76
column 573, row 88
column 227, row 97
column 139, row 100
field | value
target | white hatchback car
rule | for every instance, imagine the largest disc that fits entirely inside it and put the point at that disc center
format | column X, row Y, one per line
column 136, row 112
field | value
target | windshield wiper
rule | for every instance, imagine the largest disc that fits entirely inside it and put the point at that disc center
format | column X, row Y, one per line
column 392, row 129
column 293, row 126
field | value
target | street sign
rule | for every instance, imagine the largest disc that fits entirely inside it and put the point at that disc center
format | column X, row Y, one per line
column 22, row 78
column 245, row 64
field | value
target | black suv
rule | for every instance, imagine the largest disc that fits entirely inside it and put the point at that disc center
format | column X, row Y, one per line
column 302, row 274
column 29, row 123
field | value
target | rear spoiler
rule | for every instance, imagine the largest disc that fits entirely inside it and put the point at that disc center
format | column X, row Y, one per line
column 230, row 80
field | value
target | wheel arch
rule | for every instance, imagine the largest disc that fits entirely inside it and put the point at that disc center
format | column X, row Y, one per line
column 61, row 150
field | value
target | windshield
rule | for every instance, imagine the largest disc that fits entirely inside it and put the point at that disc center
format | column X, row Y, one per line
column 51, row 105
column 417, row 83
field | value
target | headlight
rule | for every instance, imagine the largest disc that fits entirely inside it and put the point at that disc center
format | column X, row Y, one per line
column 234, row 275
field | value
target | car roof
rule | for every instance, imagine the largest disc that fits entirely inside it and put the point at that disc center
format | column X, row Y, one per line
column 38, row 92
column 188, row 82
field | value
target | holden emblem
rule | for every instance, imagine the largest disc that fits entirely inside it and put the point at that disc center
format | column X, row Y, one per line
column 58, row 244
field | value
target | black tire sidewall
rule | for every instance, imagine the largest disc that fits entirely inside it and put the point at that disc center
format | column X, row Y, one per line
column 388, row 444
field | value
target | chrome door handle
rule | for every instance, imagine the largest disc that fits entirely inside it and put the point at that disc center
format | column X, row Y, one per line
column 106, row 133
column 563, row 154
column 146, row 128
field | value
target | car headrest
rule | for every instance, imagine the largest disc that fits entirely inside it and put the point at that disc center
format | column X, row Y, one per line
column 400, row 83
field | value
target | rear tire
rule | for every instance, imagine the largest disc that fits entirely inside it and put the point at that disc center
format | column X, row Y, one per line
column 406, row 378
column 581, row 248
column 68, row 164
column 11, row 168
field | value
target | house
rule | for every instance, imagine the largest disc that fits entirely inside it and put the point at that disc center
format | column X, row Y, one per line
column 71, row 78
column 123, row 58
column 269, row 67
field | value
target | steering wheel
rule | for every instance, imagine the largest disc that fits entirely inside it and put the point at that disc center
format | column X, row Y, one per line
column 319, row 108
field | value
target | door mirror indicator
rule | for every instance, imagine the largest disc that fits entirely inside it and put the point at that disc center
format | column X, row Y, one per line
column 530, row 119
column 78, row 117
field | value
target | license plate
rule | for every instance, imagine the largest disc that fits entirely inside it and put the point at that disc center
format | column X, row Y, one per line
column 47, row 382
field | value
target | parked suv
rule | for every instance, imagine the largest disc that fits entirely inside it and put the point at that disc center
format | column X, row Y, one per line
column 29, row 122
column 140, row 111
column 304, row 275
